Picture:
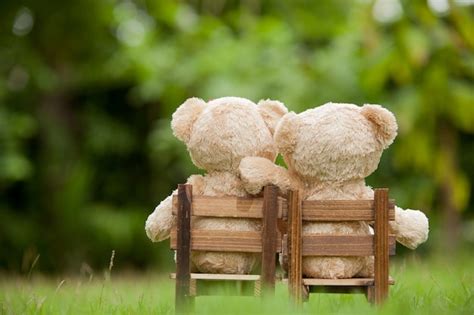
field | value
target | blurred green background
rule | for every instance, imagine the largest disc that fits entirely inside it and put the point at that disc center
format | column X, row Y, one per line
column 87, row 89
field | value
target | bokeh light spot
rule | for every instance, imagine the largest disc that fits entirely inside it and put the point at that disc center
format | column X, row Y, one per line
column 23, row 23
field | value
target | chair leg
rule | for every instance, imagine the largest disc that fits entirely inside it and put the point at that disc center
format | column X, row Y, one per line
column 269, row 236
column 184, row 302
column 295, row 278
column 381, row 255
column 257, row 288
column 370, row 294
column 305, row 293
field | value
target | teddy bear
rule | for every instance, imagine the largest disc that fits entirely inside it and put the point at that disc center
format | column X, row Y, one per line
column 218, row 134
column 329, row 151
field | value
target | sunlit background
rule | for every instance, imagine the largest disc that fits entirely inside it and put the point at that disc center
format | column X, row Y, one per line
column 87, row 89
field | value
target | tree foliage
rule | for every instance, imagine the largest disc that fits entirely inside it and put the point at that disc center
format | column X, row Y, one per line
column 87, row 89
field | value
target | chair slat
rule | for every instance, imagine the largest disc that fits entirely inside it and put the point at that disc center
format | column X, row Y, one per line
column 269, row 239
column 342, row 245
column 218, row 277
column 342, row 282
column 225, row 241
column 382, row 245
column 294, row 245
column 342, row 210
column 230, row 207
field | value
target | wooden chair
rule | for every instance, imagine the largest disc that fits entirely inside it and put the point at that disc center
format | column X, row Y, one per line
column 184, row 239
column 380, row 245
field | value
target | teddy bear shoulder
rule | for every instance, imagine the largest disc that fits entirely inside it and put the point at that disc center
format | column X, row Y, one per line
column 353, row 190
column 217, row 184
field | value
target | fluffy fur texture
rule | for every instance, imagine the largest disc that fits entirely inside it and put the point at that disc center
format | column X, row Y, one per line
column 329, row 151
column 218, row 134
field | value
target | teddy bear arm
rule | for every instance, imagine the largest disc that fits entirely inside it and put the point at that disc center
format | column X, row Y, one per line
column 159, row 223
column 411, row 227
column 198, row 182
column 283, row 180
column 257, row 172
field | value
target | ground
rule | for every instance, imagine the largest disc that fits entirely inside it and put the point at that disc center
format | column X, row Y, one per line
column 428, row 286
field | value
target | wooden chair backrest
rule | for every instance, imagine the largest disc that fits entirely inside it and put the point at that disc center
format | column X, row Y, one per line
column 342, row 211
column 236, row 208
column 184, row 237
column 378, row 211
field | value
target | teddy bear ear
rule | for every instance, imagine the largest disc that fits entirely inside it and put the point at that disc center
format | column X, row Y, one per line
column 271, row 112
column 384, row 122
column 184, row 117
column 285, row 135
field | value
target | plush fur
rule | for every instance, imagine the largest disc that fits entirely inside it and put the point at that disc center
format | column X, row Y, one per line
column 218, row 134
column 329, row 151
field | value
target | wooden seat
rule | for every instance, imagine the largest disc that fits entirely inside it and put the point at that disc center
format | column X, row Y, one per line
column 215, row 276
column 380, row 245
column 340, row 282
column 184, row 239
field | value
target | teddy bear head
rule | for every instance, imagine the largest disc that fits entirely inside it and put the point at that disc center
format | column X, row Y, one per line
column 335, row 142
column 219, row 133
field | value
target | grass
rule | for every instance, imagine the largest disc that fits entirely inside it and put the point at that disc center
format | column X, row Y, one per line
column 435, row 286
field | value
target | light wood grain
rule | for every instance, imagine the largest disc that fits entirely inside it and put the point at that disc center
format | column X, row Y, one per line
column 341, row 245
column 341, row 282
column 230, row 207
column 381, row 257
column 269, row 239
column 221, row 276
column 225, row 241
column 295, row 259
column 342, row 210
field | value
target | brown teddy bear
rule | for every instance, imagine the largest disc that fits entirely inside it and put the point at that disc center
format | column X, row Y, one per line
column 218, row 134
column 329, row 151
